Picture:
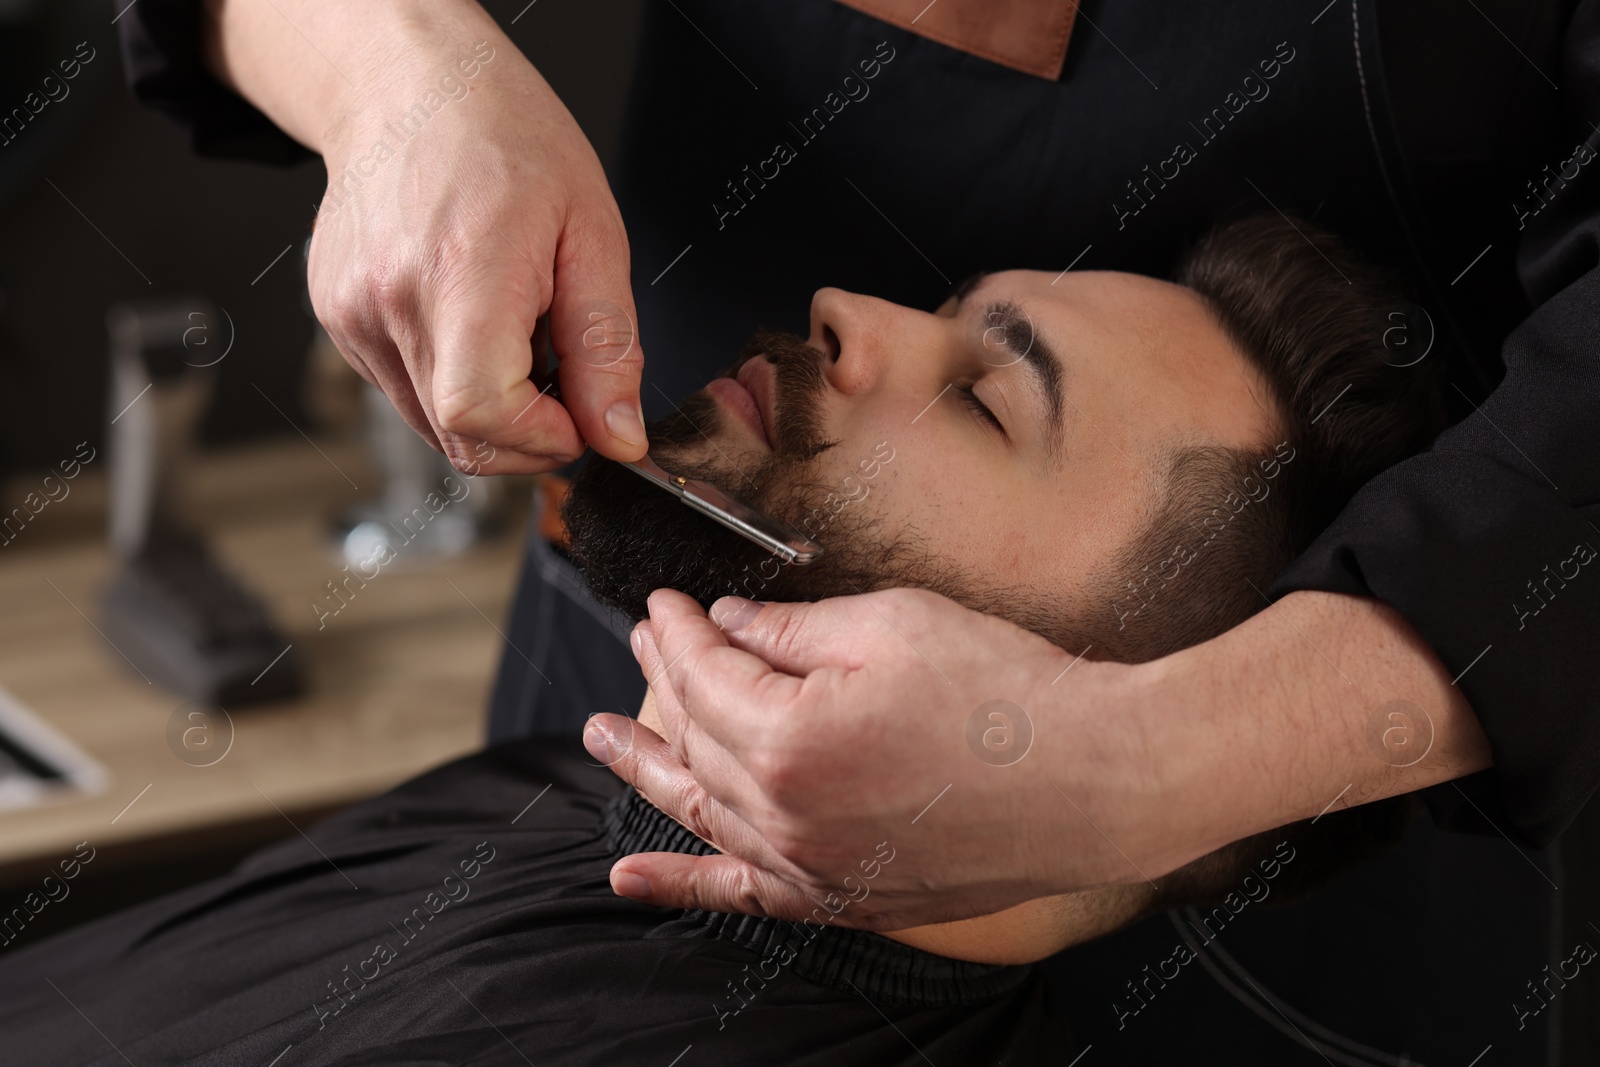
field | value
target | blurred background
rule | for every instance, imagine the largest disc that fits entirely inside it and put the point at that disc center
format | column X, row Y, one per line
column 166, row 385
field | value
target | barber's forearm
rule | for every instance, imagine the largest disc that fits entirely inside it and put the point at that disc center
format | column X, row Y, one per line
column 309, row 64
column 1275, row 720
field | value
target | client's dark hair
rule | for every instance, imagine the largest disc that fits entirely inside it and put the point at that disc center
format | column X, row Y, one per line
column 1325, row 331
column 1333, row 339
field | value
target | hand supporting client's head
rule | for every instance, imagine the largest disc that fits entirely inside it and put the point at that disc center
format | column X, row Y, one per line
column 1107, row 459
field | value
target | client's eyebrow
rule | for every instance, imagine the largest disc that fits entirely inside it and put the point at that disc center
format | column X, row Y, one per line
column 1021, row 339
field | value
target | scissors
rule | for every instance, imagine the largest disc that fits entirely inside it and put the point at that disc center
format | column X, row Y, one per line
column 775, row 536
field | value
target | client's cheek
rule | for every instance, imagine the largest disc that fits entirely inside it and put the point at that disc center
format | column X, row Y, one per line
column 864, row 473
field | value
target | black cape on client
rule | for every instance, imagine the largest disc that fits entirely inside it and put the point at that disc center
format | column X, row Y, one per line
column 452, row 921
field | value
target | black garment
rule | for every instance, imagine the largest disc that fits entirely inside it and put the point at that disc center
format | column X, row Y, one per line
column 487, row 882
column 282, row 958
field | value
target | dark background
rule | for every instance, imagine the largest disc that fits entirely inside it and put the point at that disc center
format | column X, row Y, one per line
column 193, row 227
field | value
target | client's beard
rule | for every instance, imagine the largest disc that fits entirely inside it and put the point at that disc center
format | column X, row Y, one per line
column 630, row 537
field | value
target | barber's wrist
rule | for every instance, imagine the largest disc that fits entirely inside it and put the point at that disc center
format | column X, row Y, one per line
column 1225, row 745
column 1186, row 712
column 420, row 42
column 1321, row 702
column 1117, row 746
column 329, row 74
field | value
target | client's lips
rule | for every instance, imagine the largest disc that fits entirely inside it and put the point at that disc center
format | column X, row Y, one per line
column 757, row 378
column 742, row 402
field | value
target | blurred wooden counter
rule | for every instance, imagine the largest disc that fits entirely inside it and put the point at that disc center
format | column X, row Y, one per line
column 399, row 679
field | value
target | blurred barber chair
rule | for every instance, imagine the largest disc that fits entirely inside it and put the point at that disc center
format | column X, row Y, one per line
column 401, row 526
column 172, row 607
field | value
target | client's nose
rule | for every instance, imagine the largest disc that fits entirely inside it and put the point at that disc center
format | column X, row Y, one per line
column 860, row 335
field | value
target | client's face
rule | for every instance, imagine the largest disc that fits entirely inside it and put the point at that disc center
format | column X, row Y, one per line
column 1002, row 450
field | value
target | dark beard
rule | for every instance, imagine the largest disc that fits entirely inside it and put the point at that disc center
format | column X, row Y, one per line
column 630, row 537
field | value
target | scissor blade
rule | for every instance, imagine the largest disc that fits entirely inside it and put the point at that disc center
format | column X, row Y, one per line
column 772, row 534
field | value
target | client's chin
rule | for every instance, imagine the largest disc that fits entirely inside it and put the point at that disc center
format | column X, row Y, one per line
column 630, row 537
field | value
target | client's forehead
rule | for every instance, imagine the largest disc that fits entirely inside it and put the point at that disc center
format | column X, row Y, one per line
column 1143, row 352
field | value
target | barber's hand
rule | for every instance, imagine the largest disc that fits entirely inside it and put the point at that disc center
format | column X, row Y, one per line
column 429, row 269
column 809, row 742
column 823, row 739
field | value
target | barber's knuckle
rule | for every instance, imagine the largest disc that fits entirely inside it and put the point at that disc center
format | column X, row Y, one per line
column 370, row 303
column 764, row 764
column 340, row 308
column 689, row 667
column 460, row 407
column 447, row 254
column 679, row 679
column 693, row 809
column 462, row 452
column 786, row 633
column 384, row 286
column 389, row 300
column 744, row 893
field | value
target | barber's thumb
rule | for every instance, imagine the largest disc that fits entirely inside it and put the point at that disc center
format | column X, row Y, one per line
column 710, row 883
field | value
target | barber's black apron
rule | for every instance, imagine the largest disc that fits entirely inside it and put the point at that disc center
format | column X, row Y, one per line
column 942, row 164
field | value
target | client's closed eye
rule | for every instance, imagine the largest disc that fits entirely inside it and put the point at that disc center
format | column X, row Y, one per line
column 979, row 408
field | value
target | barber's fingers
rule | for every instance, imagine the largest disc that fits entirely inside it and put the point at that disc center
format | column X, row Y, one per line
column 800, row 638
column 643, row 759
column 710, row 883
column 482, row 356
column 648, row 655
column 719, row 690
column 594, row 328
column 713, row 766
column 674, row 720
column 375, row 356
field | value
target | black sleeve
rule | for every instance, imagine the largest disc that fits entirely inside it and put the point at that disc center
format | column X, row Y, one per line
column 163, row 56
column 1489, row 543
